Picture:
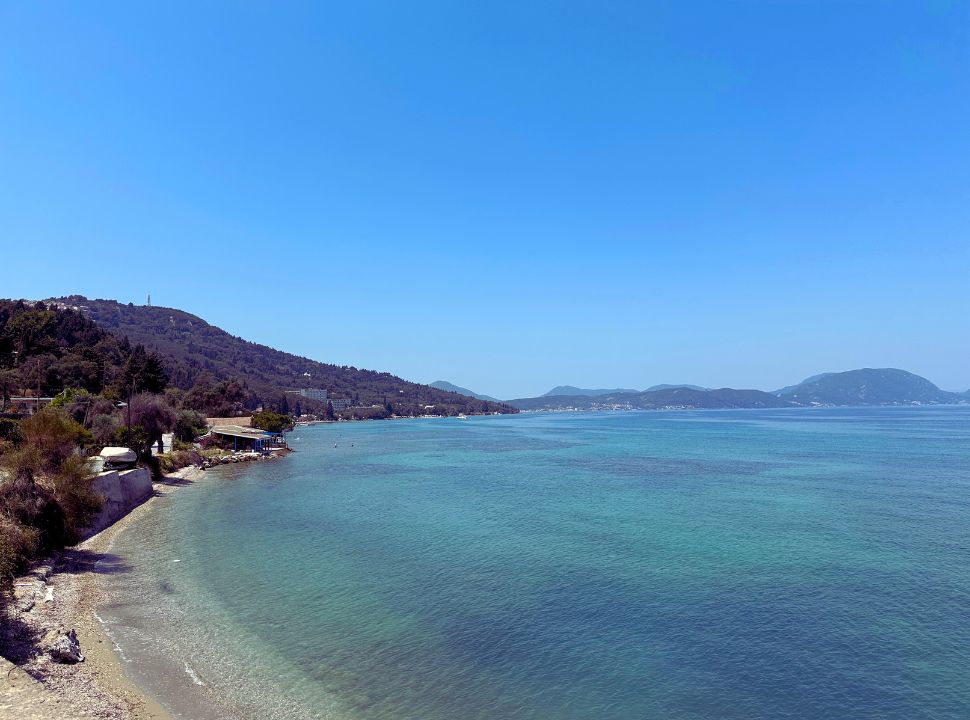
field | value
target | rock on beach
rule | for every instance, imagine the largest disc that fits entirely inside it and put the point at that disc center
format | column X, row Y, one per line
column 63, row 647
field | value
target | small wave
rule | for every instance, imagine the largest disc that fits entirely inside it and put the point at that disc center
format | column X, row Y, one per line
column 114, row 643
column 195, row 678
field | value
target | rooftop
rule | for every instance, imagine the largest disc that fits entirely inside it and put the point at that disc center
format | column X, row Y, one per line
column 240, row 431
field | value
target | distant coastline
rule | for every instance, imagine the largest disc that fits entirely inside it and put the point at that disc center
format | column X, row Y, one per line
column 865, row 387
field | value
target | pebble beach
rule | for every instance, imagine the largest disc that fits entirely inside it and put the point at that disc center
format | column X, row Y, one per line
column 60, row 595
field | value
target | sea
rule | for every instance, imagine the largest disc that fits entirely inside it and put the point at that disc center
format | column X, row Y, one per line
column 749, row 564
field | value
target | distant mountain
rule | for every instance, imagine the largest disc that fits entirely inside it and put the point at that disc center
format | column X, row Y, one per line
column 789, row 388
column 192, row 349
column 575, row 391
column 447, row 386
column 869, row 386
column 655, row 388
column 677, row 397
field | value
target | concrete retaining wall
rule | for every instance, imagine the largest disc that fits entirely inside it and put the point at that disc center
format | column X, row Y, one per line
column 122, row 491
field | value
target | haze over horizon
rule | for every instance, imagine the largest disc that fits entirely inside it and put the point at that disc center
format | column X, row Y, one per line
column 507, row 198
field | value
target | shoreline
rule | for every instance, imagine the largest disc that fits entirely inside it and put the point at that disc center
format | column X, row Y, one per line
column 36, row 687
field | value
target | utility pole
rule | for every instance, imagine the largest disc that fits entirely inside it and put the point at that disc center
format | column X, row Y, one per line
column 131, row 389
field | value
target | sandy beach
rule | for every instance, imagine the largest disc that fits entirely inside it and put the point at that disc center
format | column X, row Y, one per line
column 67, row 589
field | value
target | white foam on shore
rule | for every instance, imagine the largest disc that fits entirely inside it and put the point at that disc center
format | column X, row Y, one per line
column 195, row 678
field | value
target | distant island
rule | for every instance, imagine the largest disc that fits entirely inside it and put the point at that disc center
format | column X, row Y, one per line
column 867, row 386
column 571, row 391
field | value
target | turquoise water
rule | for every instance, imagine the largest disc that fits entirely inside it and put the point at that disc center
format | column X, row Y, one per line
column 739, row 564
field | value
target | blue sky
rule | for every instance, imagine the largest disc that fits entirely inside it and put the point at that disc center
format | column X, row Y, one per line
column 512, row 195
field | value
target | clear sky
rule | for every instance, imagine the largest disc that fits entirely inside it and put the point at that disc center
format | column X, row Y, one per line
column 509, row 196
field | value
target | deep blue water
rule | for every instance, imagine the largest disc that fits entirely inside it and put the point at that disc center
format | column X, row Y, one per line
column 739, row 564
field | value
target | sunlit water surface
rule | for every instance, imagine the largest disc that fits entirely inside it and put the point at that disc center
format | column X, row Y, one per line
column 739, row 564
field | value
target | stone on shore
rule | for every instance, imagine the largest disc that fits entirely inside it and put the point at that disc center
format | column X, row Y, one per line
column 63, row 647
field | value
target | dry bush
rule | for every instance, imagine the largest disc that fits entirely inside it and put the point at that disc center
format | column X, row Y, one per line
column 172, row 461
column 31, row 505
column 18, row 543
column 54, row 435
column 73, row 490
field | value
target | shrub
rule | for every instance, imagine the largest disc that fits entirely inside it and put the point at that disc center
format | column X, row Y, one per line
column 137, row 439
column 54, row 436
column 10, row 430
column 172, row 461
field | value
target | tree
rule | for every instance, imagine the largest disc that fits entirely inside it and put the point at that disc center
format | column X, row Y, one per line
column 272, row 422
column 132, row 370
column 154, row 415
column 32, row 330
column 68, row 396
column 189, row 424
column 8, row 380
column 144, row 372
column 154, row 377
column 222, row 399
column 105, row 429
column 284, row 406
column 330, row 415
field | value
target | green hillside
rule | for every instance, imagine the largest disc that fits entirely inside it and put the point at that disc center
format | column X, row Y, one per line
column 85, row 342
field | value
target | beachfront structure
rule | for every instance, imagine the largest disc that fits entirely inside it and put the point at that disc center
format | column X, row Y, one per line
column 247, row 438
column 323, row 396
column 314, row 394
column 30, row 404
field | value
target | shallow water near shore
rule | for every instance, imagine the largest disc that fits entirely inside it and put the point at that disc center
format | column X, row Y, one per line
column 703, row 564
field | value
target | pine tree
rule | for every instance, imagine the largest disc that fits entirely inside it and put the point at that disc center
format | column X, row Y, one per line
column 154, row 377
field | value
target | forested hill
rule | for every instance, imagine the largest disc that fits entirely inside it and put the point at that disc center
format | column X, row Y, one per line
column 868, row 386
column 193, row 349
